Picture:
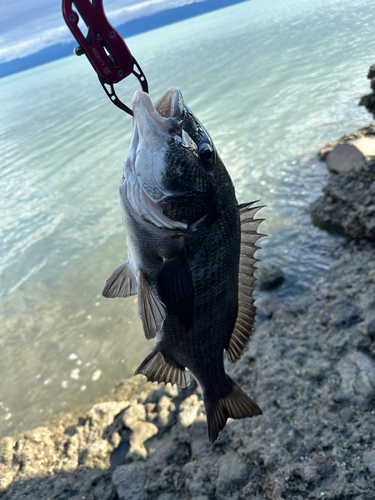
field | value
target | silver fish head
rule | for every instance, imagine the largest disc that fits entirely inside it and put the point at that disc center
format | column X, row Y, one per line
column 172, row 173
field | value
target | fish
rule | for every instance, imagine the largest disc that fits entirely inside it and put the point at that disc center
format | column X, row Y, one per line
column 190, row 255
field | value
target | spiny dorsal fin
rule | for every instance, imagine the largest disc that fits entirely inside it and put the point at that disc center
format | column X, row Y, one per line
column 121, row 283
column 150, row 309
column 246, row 309
column 159, row 368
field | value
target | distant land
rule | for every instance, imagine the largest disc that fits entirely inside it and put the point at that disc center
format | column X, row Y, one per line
column 131, row 28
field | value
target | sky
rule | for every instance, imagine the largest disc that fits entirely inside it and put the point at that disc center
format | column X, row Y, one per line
column 26, row 27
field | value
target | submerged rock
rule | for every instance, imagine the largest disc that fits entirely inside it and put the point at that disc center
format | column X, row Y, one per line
column 270, row 276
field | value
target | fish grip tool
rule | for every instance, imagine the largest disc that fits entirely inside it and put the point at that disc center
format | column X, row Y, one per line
column 103, row 46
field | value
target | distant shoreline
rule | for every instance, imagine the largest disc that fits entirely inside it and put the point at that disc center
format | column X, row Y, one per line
column 129, row 29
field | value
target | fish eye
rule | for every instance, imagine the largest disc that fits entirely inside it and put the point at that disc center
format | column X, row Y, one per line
column 206, row 153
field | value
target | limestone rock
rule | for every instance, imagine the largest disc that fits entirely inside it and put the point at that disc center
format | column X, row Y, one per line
column 133, row 415
column 189, row 410
column 165, row 411
column 141, row 433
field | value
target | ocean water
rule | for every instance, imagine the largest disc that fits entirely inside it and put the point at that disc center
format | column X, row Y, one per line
column 272, row 81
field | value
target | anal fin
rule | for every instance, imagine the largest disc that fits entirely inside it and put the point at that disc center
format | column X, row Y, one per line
column 121, row 283
column 159, row 368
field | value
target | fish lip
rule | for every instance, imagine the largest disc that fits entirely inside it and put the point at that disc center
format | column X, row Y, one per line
column 167, row 112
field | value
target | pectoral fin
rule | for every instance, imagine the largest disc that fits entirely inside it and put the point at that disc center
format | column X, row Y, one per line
column 176, row 288
column 150, row 309
column 246, row 309
column 121, row 283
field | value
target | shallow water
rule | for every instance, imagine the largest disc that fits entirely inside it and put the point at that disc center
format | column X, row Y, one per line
column 271, row 80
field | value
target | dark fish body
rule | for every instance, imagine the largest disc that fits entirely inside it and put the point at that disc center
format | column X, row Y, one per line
column 191, row 255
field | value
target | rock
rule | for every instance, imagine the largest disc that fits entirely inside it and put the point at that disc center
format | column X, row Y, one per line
column 371, row 329
column 165, row 411
column 189, row 410
column 133, row 415
column 270, row 276
column 371, row 72
column 170, row 478
column 141, row 433
column 269, row 306
column 200, row 476
column 369, row 460
column 130, row 481
column 347, row 205
column 7, row 450
column 348, row 156
column 171, row 391
column 233, row 473
column 98, row 454
column 357, row 372
column 343, row 311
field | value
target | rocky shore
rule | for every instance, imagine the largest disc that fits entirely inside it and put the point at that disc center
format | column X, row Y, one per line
column 310, row 366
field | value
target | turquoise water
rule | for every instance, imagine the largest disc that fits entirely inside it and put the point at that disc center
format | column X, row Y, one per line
column 272, row 81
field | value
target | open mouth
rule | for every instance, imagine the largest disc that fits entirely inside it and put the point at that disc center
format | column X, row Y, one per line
column 167, row 112
column 153, row 126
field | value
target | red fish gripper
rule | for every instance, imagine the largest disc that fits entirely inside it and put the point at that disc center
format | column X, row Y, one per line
column 103, row 46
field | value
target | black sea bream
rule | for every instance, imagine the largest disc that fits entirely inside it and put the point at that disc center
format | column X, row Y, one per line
column 191, row 255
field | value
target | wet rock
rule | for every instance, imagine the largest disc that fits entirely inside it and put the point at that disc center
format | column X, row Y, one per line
column 130, row 481
column 270, row 276
column 269, row 306
column 141, row 433
column 133, row 415
column 343, row 311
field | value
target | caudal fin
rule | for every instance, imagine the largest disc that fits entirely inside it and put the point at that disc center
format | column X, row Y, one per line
column 236, row 404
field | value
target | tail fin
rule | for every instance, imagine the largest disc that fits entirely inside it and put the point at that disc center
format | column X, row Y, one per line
column 236, row 404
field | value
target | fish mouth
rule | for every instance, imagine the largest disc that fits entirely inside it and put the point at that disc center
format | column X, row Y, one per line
column 167, row 112
column 153, row 126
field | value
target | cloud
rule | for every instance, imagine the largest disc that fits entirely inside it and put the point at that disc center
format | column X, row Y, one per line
column 27, row 28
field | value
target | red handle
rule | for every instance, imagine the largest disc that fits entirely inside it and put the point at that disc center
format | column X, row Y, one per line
column 103, row 45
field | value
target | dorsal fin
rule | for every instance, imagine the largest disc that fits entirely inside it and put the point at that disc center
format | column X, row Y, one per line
column 150, row 309
column 246, row 309
column 121, row 283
